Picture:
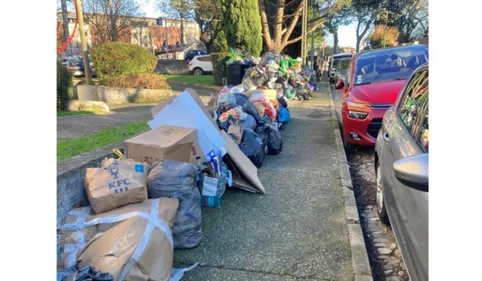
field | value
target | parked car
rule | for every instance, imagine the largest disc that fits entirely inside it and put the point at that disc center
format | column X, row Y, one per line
column 192, row 53
column 372, row 85
column 76, row 65
column 200, row 65
column 338, row 67
column 401, row 164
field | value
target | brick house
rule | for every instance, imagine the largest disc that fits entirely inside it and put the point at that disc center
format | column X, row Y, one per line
column 142, row 31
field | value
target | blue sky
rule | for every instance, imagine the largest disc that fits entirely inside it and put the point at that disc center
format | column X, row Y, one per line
column 346, row 34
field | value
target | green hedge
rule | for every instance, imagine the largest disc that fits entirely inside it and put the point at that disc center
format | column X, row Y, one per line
column 116, row 58
column 64, row 83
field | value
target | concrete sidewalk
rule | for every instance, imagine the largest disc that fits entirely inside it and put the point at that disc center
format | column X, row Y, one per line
column 298, row 229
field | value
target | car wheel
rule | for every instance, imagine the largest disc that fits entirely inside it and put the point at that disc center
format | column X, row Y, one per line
column 381, row 207
column 197, row 71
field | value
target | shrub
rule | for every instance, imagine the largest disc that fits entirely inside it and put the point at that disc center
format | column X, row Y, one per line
column 116, row 58
column 137, row 80
column 64, row 83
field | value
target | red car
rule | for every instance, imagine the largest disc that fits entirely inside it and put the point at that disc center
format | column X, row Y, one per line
column 373, row 82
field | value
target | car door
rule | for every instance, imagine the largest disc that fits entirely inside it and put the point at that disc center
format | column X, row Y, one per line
column 205, row 63
column 405, row 133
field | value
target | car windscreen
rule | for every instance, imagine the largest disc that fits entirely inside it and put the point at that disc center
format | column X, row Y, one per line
column 387, row 65
column 341, row 64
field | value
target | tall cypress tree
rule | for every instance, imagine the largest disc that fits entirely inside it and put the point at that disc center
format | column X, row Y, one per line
column 241, row 30
column 243, row 26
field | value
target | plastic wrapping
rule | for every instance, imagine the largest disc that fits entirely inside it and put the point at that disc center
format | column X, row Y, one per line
column 81, row 227
column 239, row 89
column 226, row 100
column 270, row 111
column 236, row 114
column 175, row 179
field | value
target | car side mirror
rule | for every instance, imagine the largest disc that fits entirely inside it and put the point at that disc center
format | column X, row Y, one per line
column 413, row 171
column 340, row 84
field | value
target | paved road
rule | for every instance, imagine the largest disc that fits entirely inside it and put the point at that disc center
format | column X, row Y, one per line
column 298, row 230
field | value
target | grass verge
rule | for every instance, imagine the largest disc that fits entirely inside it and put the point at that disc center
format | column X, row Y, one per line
column 205, row 80
column 61, row 114
column 69, row 148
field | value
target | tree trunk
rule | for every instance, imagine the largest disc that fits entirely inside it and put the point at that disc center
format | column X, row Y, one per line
column 65, row 23
column 334, row 31
column 182, row 30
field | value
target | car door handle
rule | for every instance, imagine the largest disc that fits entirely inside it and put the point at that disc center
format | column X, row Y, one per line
column 386, row 137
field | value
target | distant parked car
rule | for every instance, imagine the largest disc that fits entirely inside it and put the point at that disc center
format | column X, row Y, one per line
column 372, row 85
column 338, row 67
column 401, row 164
column 192, row 53
column 200, row 65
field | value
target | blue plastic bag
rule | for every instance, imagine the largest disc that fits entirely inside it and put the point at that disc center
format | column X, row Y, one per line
column 284, row 115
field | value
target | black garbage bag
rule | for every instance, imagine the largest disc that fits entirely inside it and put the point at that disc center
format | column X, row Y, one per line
column 174, row 179
column 251, row 145
column 282, row 102
column 250, row 108
column 271, row 136
column 89, row 273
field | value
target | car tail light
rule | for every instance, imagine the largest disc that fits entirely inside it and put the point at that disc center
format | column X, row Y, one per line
column 190, row 63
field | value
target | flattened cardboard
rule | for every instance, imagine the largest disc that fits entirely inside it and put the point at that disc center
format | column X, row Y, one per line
column 165, row 142
column 245, row 174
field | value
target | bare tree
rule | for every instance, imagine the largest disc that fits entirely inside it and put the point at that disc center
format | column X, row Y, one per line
column 364, row 13
column 180, row 9
column 110, row 19
column 207, row 14
column 286, row 16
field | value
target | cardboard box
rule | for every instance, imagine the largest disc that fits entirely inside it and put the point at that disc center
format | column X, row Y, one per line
column 165, row 142
column 190, row 110
column 116, row 183
column 118, row 233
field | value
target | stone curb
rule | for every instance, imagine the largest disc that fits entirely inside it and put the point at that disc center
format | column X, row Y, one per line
column 361, row 264
column 200, row 86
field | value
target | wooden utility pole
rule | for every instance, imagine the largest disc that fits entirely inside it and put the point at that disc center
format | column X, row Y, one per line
column 313, row 39
column 304, row 30
column 83, row 40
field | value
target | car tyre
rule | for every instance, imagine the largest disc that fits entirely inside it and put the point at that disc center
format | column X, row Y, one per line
column 381, row 206
column 197, row 71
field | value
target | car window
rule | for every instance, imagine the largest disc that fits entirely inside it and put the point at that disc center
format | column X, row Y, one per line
column 388, row 64
column 413, row 108
column 348, row 74
column 206, row 58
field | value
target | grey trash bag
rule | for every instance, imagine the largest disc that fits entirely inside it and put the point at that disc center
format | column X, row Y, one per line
column 174, row 179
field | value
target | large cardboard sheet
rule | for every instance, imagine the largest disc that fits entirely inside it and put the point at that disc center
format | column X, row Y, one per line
column 245, row 174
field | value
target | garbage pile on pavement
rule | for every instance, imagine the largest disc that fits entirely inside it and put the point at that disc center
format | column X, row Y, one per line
column 148, row 201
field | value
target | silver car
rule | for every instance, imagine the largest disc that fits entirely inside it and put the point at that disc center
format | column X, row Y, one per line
column 401, row 163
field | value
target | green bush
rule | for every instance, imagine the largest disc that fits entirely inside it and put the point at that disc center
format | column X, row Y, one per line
column 136, row 80
column 116, row 58
column 64, row 83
